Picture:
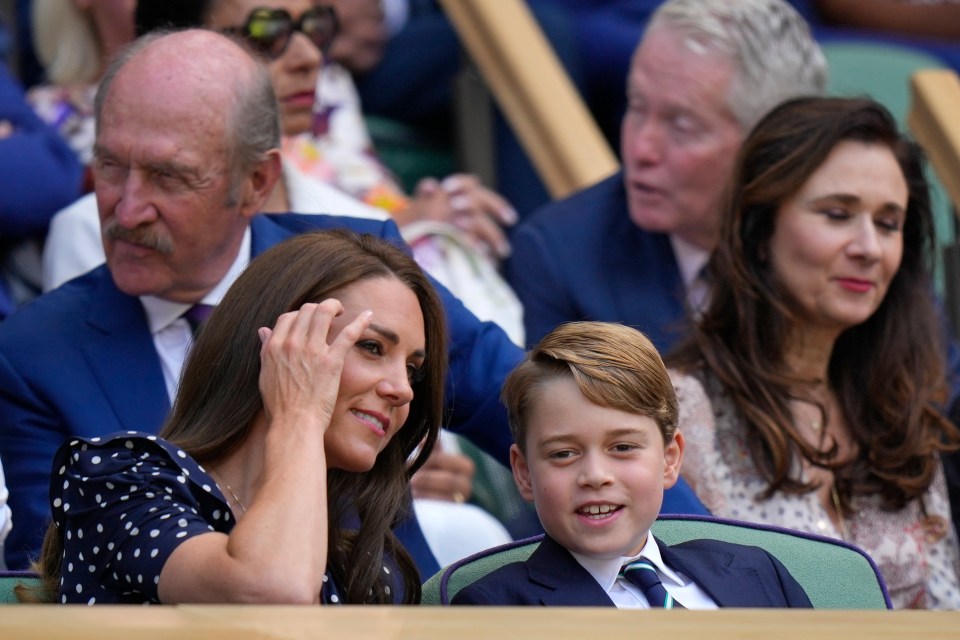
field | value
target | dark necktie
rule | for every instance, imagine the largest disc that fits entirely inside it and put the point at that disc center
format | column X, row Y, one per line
column 643, row 574
column 197, row 315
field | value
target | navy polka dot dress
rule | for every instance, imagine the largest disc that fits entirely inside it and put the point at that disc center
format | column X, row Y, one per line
column 123, row 504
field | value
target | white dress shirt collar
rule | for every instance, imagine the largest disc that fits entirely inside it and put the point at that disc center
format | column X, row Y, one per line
column 605, row 572
column 690, row 259
column 161, row 313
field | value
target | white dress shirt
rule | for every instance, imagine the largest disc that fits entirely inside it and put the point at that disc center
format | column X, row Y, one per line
column 691, row 260
column 171, row 332
column 626, row 595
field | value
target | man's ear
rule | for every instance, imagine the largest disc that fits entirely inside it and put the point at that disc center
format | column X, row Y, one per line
column 521, row 473
column 672, row 457
column 258, row 184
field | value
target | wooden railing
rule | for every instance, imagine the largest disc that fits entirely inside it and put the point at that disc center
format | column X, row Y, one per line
column 265, row 622
column 534, row 92
column 935, row 122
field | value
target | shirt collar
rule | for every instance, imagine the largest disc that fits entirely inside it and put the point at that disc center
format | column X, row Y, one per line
column 690, row 259
column 606, row 571
column 161, row 313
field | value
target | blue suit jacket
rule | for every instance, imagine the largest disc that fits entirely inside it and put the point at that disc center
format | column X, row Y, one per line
column 733, row 575
column 41, row 175
column 582, row 258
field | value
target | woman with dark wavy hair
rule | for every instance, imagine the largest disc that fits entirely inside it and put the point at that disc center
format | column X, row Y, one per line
column 808, row 389
column 284, row 464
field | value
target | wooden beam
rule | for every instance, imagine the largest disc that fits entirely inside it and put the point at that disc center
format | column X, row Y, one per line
column 534, row 92
column 934, row 120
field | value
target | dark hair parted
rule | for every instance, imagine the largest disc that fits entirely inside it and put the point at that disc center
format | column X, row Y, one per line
column 886, row 372
column 613, row 365
column 219, row 393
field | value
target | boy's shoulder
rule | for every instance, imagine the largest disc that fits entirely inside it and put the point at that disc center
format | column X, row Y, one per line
column 708, row 545
column 550, row 576
column 505, row 585
column 712, row 553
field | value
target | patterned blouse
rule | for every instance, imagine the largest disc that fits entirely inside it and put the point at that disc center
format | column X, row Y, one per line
column 124, row 503
column 338, row 149
column 915, row 547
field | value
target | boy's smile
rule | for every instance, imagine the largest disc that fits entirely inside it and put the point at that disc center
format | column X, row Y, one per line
column 596, row 474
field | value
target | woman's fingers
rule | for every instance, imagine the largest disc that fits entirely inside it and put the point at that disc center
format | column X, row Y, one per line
column 302, row 357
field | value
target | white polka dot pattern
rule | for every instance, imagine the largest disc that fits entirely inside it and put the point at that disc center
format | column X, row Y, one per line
column 125, row 503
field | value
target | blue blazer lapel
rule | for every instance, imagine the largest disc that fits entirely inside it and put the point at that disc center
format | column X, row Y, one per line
column 562, row 581
column 729, row 583
column 119, row 351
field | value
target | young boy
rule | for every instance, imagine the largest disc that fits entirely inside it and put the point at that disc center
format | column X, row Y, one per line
column 594, row 415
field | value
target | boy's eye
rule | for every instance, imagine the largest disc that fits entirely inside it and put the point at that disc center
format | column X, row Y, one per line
column 624, row 447
column 563, row 454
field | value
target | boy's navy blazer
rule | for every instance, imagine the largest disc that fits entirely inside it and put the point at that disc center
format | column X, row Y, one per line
column 732, row 575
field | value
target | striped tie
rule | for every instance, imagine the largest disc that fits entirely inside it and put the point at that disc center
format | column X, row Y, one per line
column 643, row 574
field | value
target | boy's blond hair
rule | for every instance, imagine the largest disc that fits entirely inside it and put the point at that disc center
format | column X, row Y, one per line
column 613, row 365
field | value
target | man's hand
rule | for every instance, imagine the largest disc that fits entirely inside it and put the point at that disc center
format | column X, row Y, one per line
column 445, row 476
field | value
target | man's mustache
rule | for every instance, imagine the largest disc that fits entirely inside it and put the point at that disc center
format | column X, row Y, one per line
column 145, row 235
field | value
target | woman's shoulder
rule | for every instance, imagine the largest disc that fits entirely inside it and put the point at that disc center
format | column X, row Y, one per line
column 78, row 450
column 126, row 454
column 698, row 400
column 689, row 385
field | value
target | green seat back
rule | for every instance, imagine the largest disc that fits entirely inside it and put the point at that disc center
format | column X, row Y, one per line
column 10, row 579
column 834, row 574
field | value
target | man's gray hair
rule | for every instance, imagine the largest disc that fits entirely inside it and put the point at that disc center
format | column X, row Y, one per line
column 774, row 56
column 253, row 122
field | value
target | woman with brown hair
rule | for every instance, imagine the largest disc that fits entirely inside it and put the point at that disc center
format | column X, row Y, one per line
column 284, row 465
column 812, row 376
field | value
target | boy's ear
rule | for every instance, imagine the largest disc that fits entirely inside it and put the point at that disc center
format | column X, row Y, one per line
column 672, row 456
column 521, row 473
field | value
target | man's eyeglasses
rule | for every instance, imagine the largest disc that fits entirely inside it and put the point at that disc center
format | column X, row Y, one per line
column 269, row 31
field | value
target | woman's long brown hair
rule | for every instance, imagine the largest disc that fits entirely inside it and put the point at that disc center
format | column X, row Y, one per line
column 887, row 372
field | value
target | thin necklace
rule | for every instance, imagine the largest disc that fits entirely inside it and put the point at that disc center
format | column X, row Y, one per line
column 230, row 489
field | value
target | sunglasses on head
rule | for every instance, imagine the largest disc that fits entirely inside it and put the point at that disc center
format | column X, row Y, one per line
column 269, row 31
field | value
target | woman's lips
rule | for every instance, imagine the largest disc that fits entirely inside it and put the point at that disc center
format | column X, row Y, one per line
column 855, row 284
column 303, row 99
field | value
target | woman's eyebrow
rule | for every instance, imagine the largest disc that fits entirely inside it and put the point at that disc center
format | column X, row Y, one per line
column 392, row 337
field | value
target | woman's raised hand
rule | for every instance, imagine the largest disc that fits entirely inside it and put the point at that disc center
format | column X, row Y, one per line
column 301, row 361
